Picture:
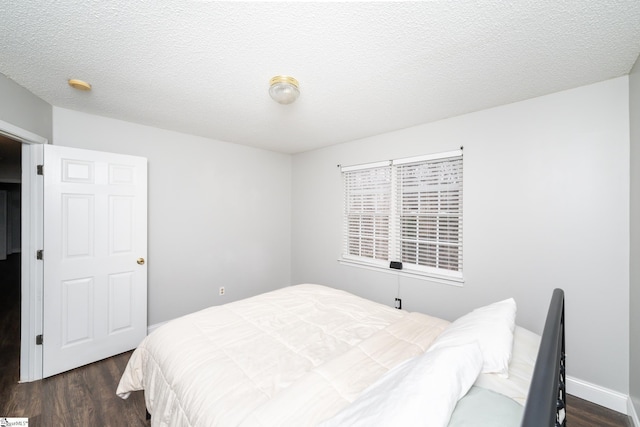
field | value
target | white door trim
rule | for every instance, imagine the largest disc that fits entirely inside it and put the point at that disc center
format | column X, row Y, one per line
column 19, row 134
column 31, row 271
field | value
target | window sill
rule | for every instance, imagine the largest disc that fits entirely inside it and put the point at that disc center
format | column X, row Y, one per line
column 452, row 281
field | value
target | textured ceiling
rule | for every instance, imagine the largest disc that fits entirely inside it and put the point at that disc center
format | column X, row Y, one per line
column 203, row 67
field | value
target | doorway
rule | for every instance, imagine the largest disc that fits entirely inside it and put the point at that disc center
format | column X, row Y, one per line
column 10, row 255
column 30, row 275
column 127, row 318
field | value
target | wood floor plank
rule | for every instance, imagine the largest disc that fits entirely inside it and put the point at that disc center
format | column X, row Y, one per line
column 582, row 413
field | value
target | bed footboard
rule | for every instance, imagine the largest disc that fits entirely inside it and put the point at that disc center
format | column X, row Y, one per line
column 546, row 401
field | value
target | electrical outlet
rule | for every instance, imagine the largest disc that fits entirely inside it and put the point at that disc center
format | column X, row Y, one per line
column 221, row 291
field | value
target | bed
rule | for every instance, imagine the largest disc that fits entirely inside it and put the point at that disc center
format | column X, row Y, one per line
column 309, row 355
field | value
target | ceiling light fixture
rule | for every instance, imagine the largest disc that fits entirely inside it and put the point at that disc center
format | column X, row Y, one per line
column 284, row 89
column 79, row 84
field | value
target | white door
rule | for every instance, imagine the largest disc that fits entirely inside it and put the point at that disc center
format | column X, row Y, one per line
column 95, row 249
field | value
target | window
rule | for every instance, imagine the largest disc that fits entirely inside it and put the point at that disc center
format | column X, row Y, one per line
column 406, row 210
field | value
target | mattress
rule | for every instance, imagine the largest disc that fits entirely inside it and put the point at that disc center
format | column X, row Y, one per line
column 294, row 356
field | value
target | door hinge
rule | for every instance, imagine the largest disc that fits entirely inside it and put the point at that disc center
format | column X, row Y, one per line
column 39, row 254
column 40, row 169
column 38, row 339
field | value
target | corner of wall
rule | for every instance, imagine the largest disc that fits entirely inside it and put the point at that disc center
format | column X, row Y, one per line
column 631, row 412
column 22, row 108
column 634, row 241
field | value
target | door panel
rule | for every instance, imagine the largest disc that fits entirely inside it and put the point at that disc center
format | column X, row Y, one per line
column 95, row 293
column 121, row 232
column 121, row 288
column 78, row 214
column 76, row 322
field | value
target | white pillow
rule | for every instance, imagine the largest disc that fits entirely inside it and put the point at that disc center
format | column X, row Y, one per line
column 492, row 328
column 422, row 391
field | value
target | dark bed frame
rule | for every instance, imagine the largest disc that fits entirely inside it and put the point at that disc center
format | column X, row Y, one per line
column 546, row 401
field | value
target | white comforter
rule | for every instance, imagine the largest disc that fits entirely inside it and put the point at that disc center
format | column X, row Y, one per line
column 295, row 356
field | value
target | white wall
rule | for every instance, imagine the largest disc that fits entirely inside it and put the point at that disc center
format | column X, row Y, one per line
column 546, row 204
column 23, row 109
column 219, row 213
column 634, row 282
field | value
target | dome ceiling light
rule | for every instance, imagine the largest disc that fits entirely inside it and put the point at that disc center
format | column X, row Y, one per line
column 79, row 84
column 284, row 89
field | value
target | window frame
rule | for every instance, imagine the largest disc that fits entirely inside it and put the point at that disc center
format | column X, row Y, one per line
column 443, row 275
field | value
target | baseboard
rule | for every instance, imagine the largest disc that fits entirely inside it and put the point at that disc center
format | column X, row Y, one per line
column 602, row 396
column 633, row 414
column 154, row 327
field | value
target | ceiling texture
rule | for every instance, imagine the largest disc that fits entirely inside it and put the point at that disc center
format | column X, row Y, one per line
column 365, row 68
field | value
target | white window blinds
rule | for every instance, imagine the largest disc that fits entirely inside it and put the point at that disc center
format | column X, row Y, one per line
column 407, row 210
column 430, row 213
column 368, row 197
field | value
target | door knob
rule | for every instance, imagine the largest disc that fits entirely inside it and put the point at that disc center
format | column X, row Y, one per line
column 140, row 261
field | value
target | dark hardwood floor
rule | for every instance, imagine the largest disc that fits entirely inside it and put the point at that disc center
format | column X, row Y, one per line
column 86, row 396
column 582, row 413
